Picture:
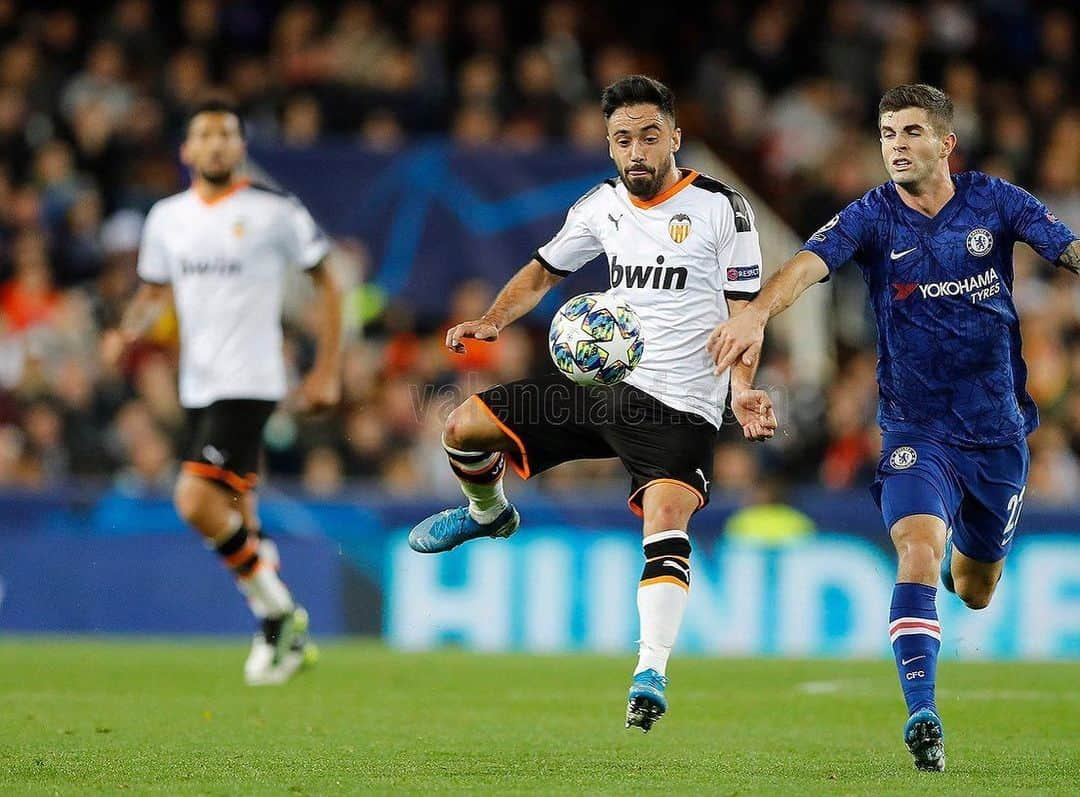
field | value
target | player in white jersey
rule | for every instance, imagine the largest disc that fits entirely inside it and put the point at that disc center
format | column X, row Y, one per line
column 683, row 251
column 223, row 250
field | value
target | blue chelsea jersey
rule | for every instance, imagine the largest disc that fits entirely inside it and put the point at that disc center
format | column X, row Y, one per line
column 949, row 361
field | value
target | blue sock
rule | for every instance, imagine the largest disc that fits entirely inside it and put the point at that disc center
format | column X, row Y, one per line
column 916, row 639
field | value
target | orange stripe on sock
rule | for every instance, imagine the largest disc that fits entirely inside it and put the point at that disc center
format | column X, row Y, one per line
column 259, row 565
column 237, row 558
column 664, row 580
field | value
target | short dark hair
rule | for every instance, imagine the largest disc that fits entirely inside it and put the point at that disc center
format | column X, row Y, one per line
column 635, row 89
column 937, row 104
column 214, row 106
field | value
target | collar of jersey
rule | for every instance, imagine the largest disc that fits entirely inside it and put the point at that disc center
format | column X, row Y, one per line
column 240, row 186
column 690, row 176
column 930, row 223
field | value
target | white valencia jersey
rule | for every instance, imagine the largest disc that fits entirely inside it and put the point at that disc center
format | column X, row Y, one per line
column 674, row 259
column 227, row 262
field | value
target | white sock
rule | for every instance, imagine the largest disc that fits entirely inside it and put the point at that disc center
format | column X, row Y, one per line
column 266, row 593
column 480, row 476
column 486, row 501
column 661, row 597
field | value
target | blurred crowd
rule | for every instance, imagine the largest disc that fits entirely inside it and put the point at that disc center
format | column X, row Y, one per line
column 92, row 103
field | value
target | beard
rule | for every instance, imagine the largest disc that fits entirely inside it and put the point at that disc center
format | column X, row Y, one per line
column 647, row 185
column 217, row 177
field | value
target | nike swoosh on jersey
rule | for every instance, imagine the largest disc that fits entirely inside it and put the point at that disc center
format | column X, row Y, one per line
column 897, row 255
column 906, row 662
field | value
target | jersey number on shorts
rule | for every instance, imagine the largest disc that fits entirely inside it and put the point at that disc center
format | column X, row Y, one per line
column 1016, row 503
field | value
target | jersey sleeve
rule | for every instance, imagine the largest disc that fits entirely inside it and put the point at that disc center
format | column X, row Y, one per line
column 153, row 264
column 739, row 250
column 1033, row 223
column 841, row 238
column 306, row 243
column 575, row 244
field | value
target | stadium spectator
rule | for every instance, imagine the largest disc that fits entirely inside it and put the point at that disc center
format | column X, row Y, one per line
column 91, row 103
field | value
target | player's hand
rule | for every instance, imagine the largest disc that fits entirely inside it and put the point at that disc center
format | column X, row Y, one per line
column 320, row 390
column 738, row 337
column 113, row 345
column 754, row 411
column 481, row 329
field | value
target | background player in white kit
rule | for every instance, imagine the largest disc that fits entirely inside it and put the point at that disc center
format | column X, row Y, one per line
column 682, row 250
column 223, row 249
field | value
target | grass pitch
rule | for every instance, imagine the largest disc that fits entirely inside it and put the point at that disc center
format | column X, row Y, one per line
column 87, row 716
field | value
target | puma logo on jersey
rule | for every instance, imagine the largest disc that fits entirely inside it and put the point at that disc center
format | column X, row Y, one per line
column 666, row 278
column 701, row 473
column 213, row 455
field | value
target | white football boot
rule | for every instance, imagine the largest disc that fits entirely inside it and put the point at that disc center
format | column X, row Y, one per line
column 271, row 664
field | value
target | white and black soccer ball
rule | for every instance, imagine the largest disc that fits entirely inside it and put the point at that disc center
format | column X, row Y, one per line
column 596, row 339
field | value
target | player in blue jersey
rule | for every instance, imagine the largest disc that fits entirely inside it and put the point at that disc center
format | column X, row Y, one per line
column 935, row 250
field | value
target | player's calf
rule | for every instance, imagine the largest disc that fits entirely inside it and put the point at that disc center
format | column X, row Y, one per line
column 252, row 560
column 204, row 506
column 474, row 446
column 974, row 581
column 914, row 630
column 976, row 591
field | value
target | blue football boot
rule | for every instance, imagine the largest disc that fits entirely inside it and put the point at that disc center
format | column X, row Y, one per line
column 946, row 565
column 646, row 703
column 451, row 527
column 925, row 739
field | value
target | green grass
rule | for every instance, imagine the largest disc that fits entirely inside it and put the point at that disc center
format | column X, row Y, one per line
column 83, row 716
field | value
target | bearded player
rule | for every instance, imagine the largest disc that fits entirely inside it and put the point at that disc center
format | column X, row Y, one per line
column 935, row 250
column 683, row 252
column 223, row 250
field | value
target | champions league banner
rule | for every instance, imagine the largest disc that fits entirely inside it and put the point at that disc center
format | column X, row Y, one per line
column 566, row 582
column 433, row 216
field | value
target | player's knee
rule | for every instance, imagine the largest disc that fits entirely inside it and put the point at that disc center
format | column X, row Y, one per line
column 918, row 558
column 462, row 427
column 190, row 500
column 186, row 501
column 667, row 515
column 456, row 426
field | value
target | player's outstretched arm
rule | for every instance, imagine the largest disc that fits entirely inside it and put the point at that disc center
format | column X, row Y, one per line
column 1070, row 258
column 741, row 337
column 520, row 295
column 145, row 308
column 321, row 388
column 752, row 407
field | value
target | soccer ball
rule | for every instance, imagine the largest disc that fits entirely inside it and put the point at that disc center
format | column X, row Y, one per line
column 596, row 339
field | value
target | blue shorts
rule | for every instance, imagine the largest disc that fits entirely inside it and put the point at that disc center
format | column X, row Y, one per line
column 978, row 492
